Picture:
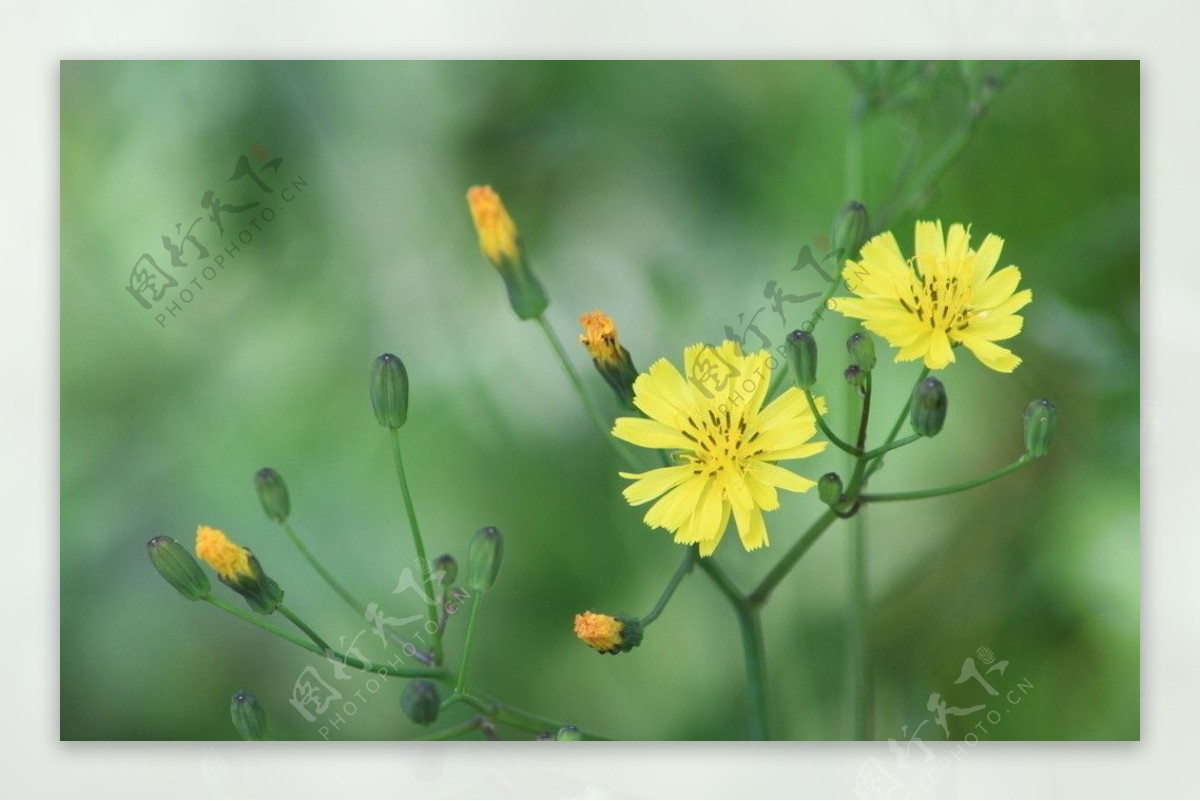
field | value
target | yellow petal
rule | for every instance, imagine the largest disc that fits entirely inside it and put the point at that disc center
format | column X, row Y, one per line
column 650, row 434
column 651, row 484
column 940, row 355
column 930, row 247
column 755, row 535
column 997, row 288
column 780, row 477
column 986, row 258
column 991, row 355
column 677, row 505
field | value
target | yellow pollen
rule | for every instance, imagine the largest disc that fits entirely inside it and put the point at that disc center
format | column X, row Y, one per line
column 229, row 559
column 600, row 337
column 497, row 231
column 602, row 632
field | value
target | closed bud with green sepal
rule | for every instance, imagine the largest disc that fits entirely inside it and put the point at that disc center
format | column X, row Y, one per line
column 483, row 558
column 272, row 494
column 1039, row 427
column 389, row 391
column 178, row 567
column 929, row 403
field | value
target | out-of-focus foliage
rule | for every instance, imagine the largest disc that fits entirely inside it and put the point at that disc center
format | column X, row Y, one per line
column 669, row 195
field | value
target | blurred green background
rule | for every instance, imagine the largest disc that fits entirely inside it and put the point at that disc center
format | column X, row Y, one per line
column 667, row 194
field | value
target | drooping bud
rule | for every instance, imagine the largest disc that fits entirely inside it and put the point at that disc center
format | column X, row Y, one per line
column 609, row 634
column 178, row 567
column 855, row 375
column 238, row 569
column 273, row 494
column 447, row 565
column 829, row 488
column 850, row 229
column 928, row 410
column 569, row 734
column 483, row 558
column 862, row 350
column 501, row 245
column 1039, row 427
column 612, row 361
column 802, row 356
column 389, row 391
column 420, row 702
column 249, row 718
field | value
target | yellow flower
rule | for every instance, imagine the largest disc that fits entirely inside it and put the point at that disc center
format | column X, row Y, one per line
column 229, row 559
column 600, row 337
column 950, row 297
column 726, row 444
column 497, row 231
column 608, row 634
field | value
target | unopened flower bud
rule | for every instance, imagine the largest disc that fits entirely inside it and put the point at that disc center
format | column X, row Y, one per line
column 802, row 356
column 389, row 391
column 238, row 569
column 862, row 350
column 612, row 361
column 501, row 245
column 928, row 410
column 829, row 488
column 1039, row 427
column 609, row 634
column 569, row 734
column 850, row 229
column 420, row 702
column 272, row 494
column 178, row 567
column 483, row 558
column 249, row 718
column 447, row 565
column 855, row 375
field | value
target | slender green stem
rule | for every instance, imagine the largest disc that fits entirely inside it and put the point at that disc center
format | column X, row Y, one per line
column 350, row 661
column 727, row 588
column 355, row 604
column 422, row 561
column 307, row 629
column 589, row 405
column 461, row 685
column 876, row 460
column 759, row 595
column 832, row 437
column 861, row 444
column 517, row 718
column 466, row 727
column 891, row 446
column 860, row 665
column 757, row 711
column 684, row 568
column 951, row 149
column 950, row 490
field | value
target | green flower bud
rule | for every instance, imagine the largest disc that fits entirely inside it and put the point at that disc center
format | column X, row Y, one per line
column 483, row 558
column 501, row 244
column 609, row 634
column 249, row 718
column 421, row 702
column 272, row 494
column 178, row 567
column 829, row 488
column 855, row 376
column 928, row 410
column 802, row 356
column 389, row 391
column 238, row 569
column 447, row 565
column 569, row 734
column 850, row 229
column 1039, row 427
column 862, row 350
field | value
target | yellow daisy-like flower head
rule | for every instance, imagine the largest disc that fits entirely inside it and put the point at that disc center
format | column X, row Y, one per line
column 949, row 294
column 497, row 231
column 226, row 557
column 726, row 444
column 608, row 634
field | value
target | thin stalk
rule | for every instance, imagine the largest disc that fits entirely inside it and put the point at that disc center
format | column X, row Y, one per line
column 461, row 685
column 422, row 561
column 684, row 568
column 860, row 666
column 832, row 437
column 350, row 661
column 588, row 404
column 950, row 490
column 347, row 596
column 891, row 446
column 307, row 629
column 466, row 727
column 757, row 711
column 759, row 595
